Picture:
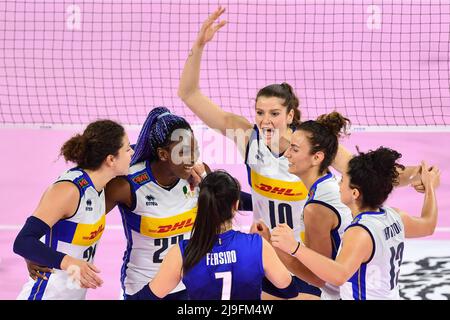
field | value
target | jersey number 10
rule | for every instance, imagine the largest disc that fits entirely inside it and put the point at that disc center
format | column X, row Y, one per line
column 283, row 214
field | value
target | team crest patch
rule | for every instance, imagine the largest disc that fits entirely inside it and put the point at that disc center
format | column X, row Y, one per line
column 82, row 182
column 141, row 178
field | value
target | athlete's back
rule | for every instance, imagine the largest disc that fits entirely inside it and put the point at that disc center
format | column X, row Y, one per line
column 378, row 278
column 233, row 269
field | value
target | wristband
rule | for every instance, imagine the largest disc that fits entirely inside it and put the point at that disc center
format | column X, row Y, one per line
column 296, row 249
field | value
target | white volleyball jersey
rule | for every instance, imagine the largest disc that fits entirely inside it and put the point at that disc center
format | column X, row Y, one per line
column 277, row 195
column 325, row 191
column 76, row 236
column 378, row 278
column 158, row 219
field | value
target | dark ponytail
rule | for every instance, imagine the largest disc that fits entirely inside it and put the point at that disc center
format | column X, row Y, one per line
column 285, row 92
column 324, row 134
column 99, row 140
column 219, row 192
column 374, row 173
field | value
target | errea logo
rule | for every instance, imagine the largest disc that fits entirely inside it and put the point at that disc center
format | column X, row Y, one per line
column 89, row 205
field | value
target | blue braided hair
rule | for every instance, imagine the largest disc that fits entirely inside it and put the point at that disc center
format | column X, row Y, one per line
column 155, row 133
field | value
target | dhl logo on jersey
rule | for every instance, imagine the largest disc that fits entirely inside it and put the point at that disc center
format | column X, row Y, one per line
column 165, row 227
column 277, row 189
column 87, row 234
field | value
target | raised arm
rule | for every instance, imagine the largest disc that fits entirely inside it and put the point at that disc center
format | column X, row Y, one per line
column 408, row 176
column 425, row 224
column 189, row 91
column 342, row 158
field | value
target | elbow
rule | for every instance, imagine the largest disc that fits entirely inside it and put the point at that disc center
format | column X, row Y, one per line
column 184, row 94
column 18, row 246
column 340, row 279
column 429, row 227
column 320, row 284
column 430, row 230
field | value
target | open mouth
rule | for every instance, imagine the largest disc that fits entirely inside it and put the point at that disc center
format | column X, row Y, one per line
column 187, row 168
column 267, row 132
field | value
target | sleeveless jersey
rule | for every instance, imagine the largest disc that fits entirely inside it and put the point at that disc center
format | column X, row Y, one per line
column 158, row 219
column 277, row 195
column 325, row 191
column 232, row 270
column 377, row 279
column 76, row 236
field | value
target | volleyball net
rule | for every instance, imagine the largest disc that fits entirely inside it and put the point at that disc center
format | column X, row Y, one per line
column 381, row 63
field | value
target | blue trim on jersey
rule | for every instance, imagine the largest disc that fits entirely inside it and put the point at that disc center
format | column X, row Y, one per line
column 362, row 281
column 133, row 220
column 249, row 174
column 358, row 281
column 135, row 186
column 127, row 253
column 77, row 180
column 247, row 150
column 336, row 243
column 33, row 292
column 334, row 233
column 359, row 216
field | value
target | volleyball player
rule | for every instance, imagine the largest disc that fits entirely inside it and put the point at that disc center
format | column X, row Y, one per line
column 218, row 263
column 313, row 147
column 157, row 199
column 65, row 228
column 369, row 260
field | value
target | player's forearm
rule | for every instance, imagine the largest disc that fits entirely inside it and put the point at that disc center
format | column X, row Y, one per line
column 298, row 269
column 326, row 269
column 341, row 160
column 190, row 77
column 429, row 211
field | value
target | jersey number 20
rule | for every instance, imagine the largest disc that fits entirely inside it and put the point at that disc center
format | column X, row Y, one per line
column 164, row 244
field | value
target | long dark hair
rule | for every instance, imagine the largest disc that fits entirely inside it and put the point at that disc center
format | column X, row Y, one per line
column 156, row 132
column 374, row 174
column 99, row 140
column 219, row 192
